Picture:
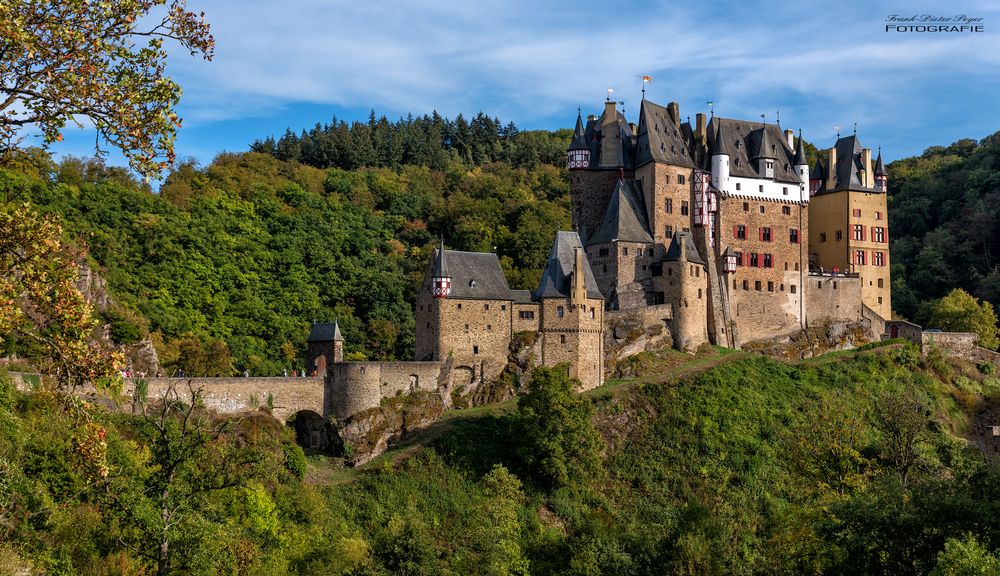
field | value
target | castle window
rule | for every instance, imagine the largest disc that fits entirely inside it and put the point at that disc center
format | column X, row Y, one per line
column 879, row 299
column 472, row 284
column 859, row 232
column 793, row 235
column 878, row 215
column 781, row 287
column 840, row 235
column 560, row 311
column 602, row 252
column 680, row 179
column 466, row 327
column 737, row 184
column 878, row 234
column 834, row 284
column 880, row 285
column 740, row 232
column 786, row 266
column 745, row 285
column 784, row 190
column 770, row 286
column 756, row 285
column 486, row 306
column 819, row 284
column 503, row 307
column 739, row 144
column 669, row 205
column 593, row 312
column 489, row 327
column 605, row 267
column 760, row 188
column 859, row 257
column 786, row 210
column 475, row 349
column 768, row 261
column 762, row 208
column 625, row 251
column 649, row 252
column 668, row 231
column 878, row 258
column 746, row 205
column 684, row 207
column 666, row 178
column 699, row 293
column 459, row 305
column 796, row 266
column 765, row 234
column 856, row 212
column 562, row 338
column 754, row 260
column 428, row 324
column 697, row 272
column 791, row 288
column 739, row 259
column 822, row 236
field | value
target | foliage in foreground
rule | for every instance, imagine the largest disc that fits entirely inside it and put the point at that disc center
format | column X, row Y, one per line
column 842, row 465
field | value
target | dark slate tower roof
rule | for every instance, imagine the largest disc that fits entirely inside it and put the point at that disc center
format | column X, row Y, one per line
column 474, row 275
column 659, row 138
column 847, row 174
column 325, row 332
column 625, row 218
column 440, row 266
column 742, row 141
column 800, row 152
column 562, row 258
column 592, row 138
column 674, row 251
column 818, row 171
column 879, row 167
column 579, row 140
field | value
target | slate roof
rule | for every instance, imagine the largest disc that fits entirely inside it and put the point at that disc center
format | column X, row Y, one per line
column 555, row 281
column 659, row 139
column 476, row 276
column 674, row 251
column 800, row 152
column 879, row 167
column 625, row 219
column 848, row 171
column 743, row 141
column 522, row 296
column 592, row 137
column 440, row 266
column 325, row 332
column 579, row 141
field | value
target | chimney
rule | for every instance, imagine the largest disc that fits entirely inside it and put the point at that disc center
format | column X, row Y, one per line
column 633, row 127
column 675, row 113
column 866, row 165
column 700, row 132
column 611, row 145
column 579, row 293
column 790, row 138
column 831, row 170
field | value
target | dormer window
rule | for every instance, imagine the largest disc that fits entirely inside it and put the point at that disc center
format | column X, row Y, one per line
column 472, row 284
column 768, row 168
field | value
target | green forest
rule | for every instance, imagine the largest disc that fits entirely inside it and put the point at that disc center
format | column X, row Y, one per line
column 237, row 258
column 865, row 462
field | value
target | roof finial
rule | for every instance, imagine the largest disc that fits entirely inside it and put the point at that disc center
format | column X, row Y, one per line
column 855, row 128
column 838, row 131
column 711, row 108
column 778, row 118
column 579, row 110
column 763, row 119
column 610, row 91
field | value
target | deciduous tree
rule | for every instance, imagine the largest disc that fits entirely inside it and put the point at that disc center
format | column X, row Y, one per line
column 64, row 61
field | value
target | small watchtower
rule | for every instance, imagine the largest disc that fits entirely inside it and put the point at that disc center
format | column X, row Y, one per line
column 325, row 347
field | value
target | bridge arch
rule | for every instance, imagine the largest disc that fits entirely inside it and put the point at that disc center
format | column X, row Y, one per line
column 314, row 434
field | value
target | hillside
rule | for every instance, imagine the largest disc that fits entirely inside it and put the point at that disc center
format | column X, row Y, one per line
column 851, row 463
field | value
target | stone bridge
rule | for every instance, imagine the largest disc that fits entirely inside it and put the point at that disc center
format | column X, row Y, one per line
column 288, row 396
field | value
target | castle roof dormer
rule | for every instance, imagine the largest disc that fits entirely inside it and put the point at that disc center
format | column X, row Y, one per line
column 688, row 254
column 748, row 144
column 765, row 147
column 556, row 279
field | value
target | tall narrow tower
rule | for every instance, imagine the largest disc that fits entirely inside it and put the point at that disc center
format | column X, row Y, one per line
column 441, row 280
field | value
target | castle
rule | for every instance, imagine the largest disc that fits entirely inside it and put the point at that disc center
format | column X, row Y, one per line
column 725, row 225
column 718, row 232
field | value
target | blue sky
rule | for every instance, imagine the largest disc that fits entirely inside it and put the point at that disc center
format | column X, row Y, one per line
column 293, row 64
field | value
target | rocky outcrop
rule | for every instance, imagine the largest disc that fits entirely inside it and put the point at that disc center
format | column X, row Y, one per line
column 367, row 434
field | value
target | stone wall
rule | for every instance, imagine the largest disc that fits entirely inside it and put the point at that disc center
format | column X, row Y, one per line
column 527, row 317
column 232, row 395
column 574, row 336
column 470, row 332
column 685, row 288
column 589, row 192
column 833, row 298
column 765, row 300
column 906, row 330
column 660, row 183
column 621, row 270
column 357, row 386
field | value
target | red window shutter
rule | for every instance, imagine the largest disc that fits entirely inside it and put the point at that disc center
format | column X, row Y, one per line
column 873, row 234
column 736, row 231
column 862, row 232
column 886, row 235
column 760, row 234
column 760, row 260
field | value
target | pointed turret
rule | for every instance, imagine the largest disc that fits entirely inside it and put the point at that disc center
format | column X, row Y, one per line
column 578, row 154
column 337, row 336
column 719, row 156
column 801, row 167
column 881, row 176
column 440, row 280
column 800, row 152
column 765, row 154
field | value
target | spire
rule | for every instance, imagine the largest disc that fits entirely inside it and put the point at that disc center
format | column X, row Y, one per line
column 579, row 142
column 800, row 152
column 879, row 167
column 440, row 279
column 440, row 268
column 337, row 336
